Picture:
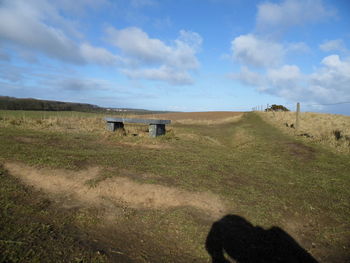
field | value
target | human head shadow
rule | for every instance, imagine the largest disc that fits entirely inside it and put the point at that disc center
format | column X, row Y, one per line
column 246, row 243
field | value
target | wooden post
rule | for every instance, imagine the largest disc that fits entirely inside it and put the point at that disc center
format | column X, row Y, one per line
column 297, row 117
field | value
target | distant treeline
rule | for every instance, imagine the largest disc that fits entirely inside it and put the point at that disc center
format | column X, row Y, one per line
column 10, row 103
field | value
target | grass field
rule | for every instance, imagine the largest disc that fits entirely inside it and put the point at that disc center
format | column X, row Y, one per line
column 73, row 192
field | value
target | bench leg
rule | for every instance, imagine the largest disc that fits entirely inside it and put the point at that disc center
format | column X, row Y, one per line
column 112, row 126
column 156, row 130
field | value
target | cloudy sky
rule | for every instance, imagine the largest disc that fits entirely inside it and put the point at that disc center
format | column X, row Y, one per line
column 186, row 55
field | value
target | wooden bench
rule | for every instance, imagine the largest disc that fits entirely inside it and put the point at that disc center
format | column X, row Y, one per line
column 156, row 127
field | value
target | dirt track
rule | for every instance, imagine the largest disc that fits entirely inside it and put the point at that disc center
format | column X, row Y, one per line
column 117, row 189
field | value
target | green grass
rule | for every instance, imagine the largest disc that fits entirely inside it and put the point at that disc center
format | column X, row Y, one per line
column 34, row 230
column 265, row 176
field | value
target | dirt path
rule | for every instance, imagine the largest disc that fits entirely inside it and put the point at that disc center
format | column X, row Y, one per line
column 122, row 240
column 118, row 189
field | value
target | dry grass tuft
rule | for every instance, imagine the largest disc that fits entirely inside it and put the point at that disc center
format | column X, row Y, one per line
column 328, row 129
column 71, row 124
column 59, row 123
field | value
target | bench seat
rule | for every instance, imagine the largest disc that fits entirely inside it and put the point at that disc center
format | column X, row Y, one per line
column 156, row 127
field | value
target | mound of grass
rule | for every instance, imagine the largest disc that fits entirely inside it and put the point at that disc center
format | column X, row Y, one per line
column 330, row 130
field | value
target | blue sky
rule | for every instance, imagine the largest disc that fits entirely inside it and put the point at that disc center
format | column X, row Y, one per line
column 185, row 55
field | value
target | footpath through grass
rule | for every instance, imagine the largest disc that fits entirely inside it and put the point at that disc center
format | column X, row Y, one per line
column 261, row 174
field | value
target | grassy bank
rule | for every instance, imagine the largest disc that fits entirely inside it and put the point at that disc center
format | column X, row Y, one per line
column 330, row 130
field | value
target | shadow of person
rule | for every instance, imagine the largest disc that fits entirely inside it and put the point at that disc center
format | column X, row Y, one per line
column 246, row 243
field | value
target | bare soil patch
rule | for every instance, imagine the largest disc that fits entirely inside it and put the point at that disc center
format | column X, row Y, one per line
column 301, row 151
column 23, row 139
column 146, row 146
column 72, row 185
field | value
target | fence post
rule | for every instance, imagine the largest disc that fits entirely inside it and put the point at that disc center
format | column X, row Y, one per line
column 297, row 117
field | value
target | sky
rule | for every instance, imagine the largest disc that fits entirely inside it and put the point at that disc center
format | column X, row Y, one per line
column 183, row 55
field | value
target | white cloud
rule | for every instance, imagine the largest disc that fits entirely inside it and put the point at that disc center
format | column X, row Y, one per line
column 286, row 81
column 333, row 45
column 19, row 21
column 27, row 25
column 290, row 13
column 41, row 27
column 253, row 51
column 256, row 51
column 263, row 60
column 332, row 81
column 297, row 47
column 249, row 77
column 98, row 55
column 284, row 76
column 329, row 83
column 192, row 39
column 163, row 73
column 173, row 61
column 137, row 44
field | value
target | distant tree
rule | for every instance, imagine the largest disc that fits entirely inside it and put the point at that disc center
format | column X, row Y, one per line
column 10, row 103
column 275, row 107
